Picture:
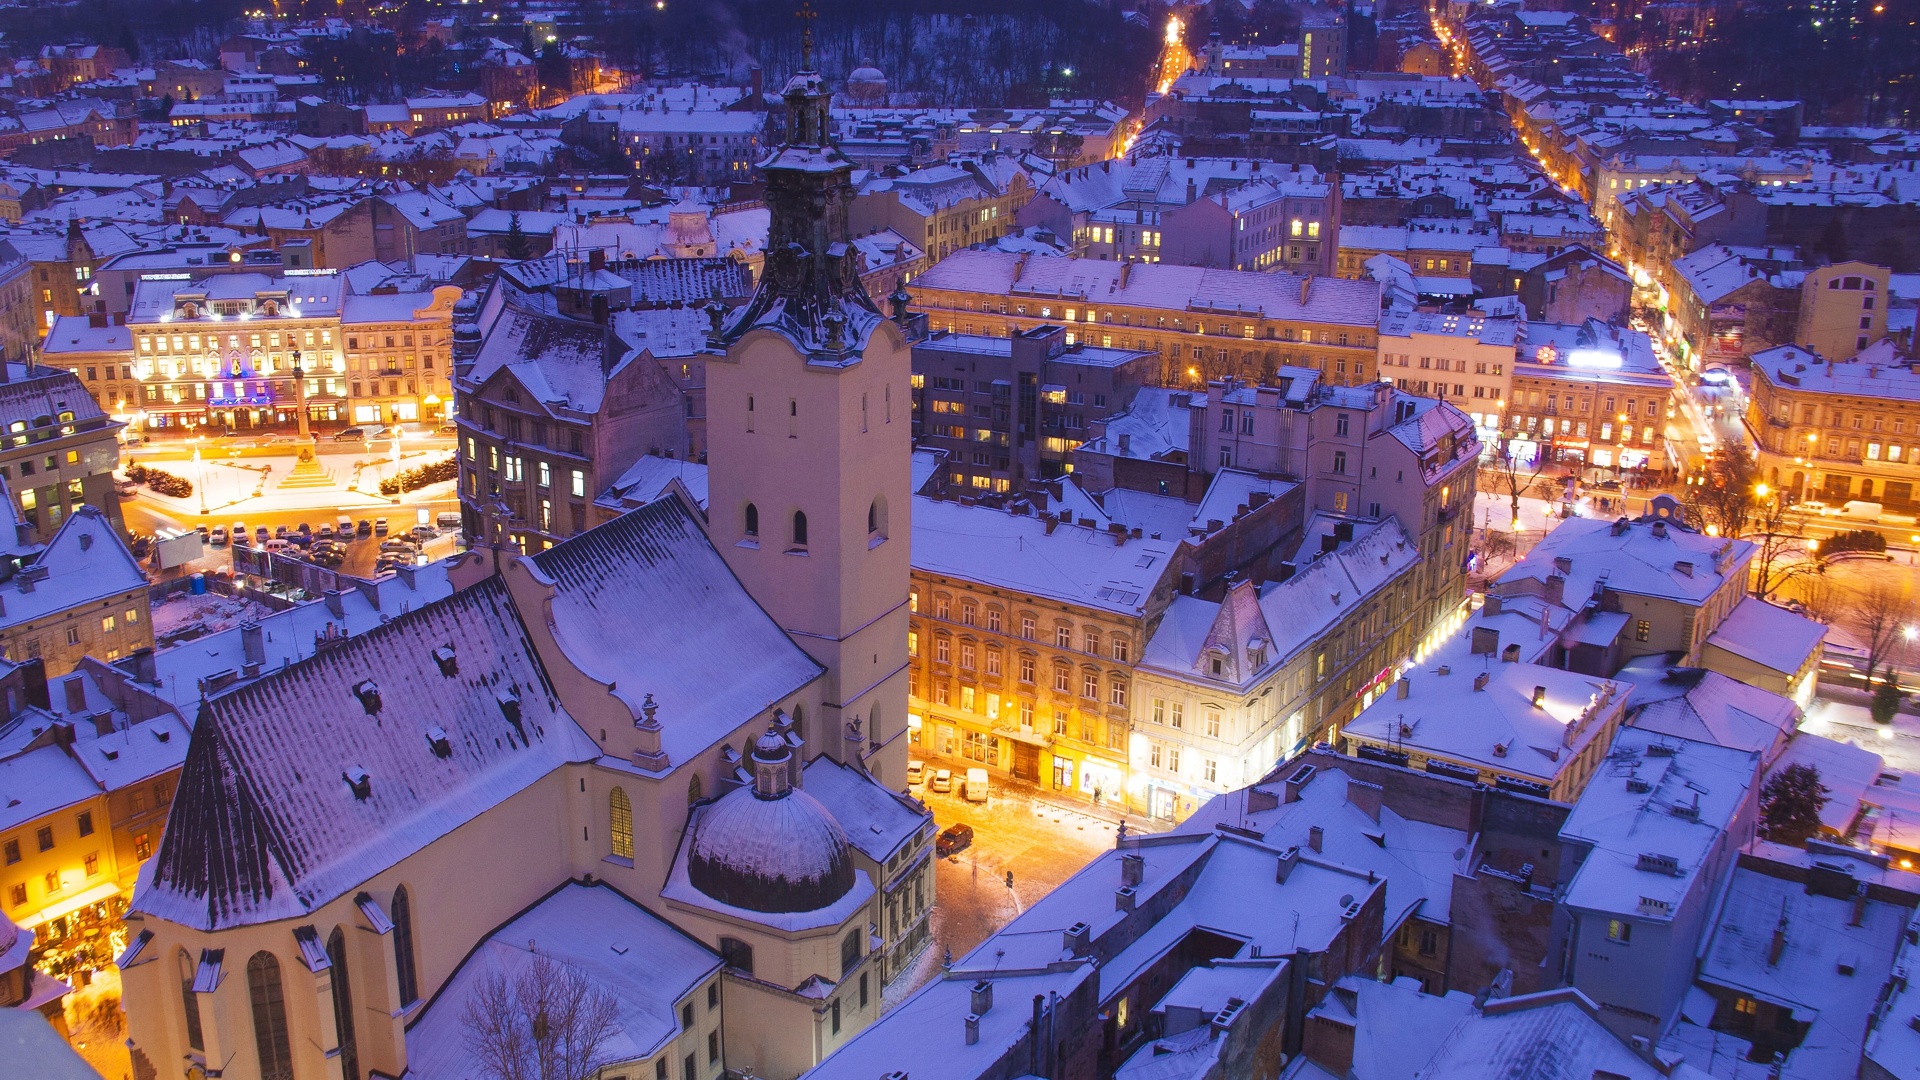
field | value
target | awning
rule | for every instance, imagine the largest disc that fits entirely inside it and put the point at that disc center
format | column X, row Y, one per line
column 70, row 905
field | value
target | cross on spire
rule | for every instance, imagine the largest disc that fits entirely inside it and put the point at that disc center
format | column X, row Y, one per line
column 806, row 15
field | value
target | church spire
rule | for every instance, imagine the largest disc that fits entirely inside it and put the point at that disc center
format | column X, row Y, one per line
column 809, row 286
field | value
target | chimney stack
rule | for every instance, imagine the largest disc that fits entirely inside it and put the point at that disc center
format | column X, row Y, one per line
column 1314, row 837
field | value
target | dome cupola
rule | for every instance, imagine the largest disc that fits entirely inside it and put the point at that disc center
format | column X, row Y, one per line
column 771, row 847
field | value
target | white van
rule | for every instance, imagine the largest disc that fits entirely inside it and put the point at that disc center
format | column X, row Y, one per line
column 343, row 527
column 976, row 786
column 1861, row 510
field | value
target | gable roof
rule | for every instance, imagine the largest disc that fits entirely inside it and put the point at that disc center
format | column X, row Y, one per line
column 645, row 601
column 266, row 825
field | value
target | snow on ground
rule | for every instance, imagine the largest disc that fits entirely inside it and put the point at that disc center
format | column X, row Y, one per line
column 1898, row 743
column 183, row 616
column 252, row 485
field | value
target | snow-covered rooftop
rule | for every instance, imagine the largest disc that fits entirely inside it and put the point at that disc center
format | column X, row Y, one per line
column 1653, row 813
column 643, row 963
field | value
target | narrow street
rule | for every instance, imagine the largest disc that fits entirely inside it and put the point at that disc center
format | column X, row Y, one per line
column 1042, row 844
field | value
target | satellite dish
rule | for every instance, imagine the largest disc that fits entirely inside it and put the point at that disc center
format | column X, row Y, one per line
column 1345, row 899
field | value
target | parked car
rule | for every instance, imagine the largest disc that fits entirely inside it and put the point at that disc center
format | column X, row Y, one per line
column 975, row 788
column 424, row 532
column 219, row 536
column 916, row 772
column 942, row 780
column 351, row 434
column 202, row 530
column 953, row 839
column 279, row 532
column 379, row 526
column 126, row 488
column 397, row 547
column 261, row 534
column 305, row 529
column 365, row 528
column 326, row 532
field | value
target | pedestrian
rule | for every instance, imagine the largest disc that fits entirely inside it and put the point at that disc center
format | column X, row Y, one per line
column 1009, row 881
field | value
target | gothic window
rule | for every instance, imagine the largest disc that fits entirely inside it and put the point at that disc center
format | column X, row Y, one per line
column 799, row 529
column 269, row 1017
column 403, row 968
column 620, row 813
column 694, row 792
column 753, row 520
column 191, row 1000
column 343, row 1005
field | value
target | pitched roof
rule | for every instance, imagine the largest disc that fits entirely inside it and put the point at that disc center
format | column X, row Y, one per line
column 267, row 824
column 85, row 561
column 645, row 601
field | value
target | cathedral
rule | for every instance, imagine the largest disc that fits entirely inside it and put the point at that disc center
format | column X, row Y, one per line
column 665, row 757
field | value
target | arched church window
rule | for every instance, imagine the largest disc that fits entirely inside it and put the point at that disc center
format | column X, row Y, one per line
column 403, row 968
column 694, row 791
column 343, row 1004
column 269, row 1017
column 753, row 520
column 191, row 1000
column 620, row 813
column 799, row 529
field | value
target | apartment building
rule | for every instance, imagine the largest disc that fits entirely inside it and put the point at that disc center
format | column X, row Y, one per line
column 95, row 763
column 533, row 460
column 1591, row 394
column 399, row 360
column 1025, row 632
column 1225, row 213
column 83, row 594
column 1010, row 410
column 1838, row 429
column 1204, row 324
column 1464, row 357
column 942, row 208
column 1367, row 452
column 58, row 450
column 1227, row 688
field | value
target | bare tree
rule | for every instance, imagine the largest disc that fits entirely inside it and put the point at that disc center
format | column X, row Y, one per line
column 1515, row 477
column 1879, row 617
column 1781, row 554
column 546, row 1021
column 1724, row 500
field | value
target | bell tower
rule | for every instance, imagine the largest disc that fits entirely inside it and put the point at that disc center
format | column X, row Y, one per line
column 810, row 444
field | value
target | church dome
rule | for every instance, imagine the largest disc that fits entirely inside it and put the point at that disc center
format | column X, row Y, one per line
column 867, row 85
column 770, row 847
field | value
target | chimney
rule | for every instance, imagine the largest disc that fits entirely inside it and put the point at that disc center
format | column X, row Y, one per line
column 1300, row 778
column 1556, row 588
column 1314, row 837
column 596, row 260
column 973, row 1029
column 1684, row 566
column 1123, row 898
column 1859, row 905
column 253, row 642
column 1659, row 530
column 1539, row 697
column 1283, row 869
column 1491, row 605
column 1480, row 681
column 336, row 603
column 1486, row 641
column 1076, row 939
column 1126, row 442
column 76, row 689
column 1133, row 869
column 982, row 999
column 1779, row 943
column 103, row 725
column 1563, row 564
column 1403, row 688
column 1365, row 797
column 1510, row 654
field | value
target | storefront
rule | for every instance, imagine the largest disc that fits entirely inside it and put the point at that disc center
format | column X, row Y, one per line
column 82, row 934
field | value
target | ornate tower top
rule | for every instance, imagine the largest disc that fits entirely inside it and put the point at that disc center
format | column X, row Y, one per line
column 809, row 287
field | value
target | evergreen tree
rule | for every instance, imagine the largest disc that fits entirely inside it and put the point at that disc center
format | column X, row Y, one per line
column 1790, row 803
column 517, row 246
column 1886, row 702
